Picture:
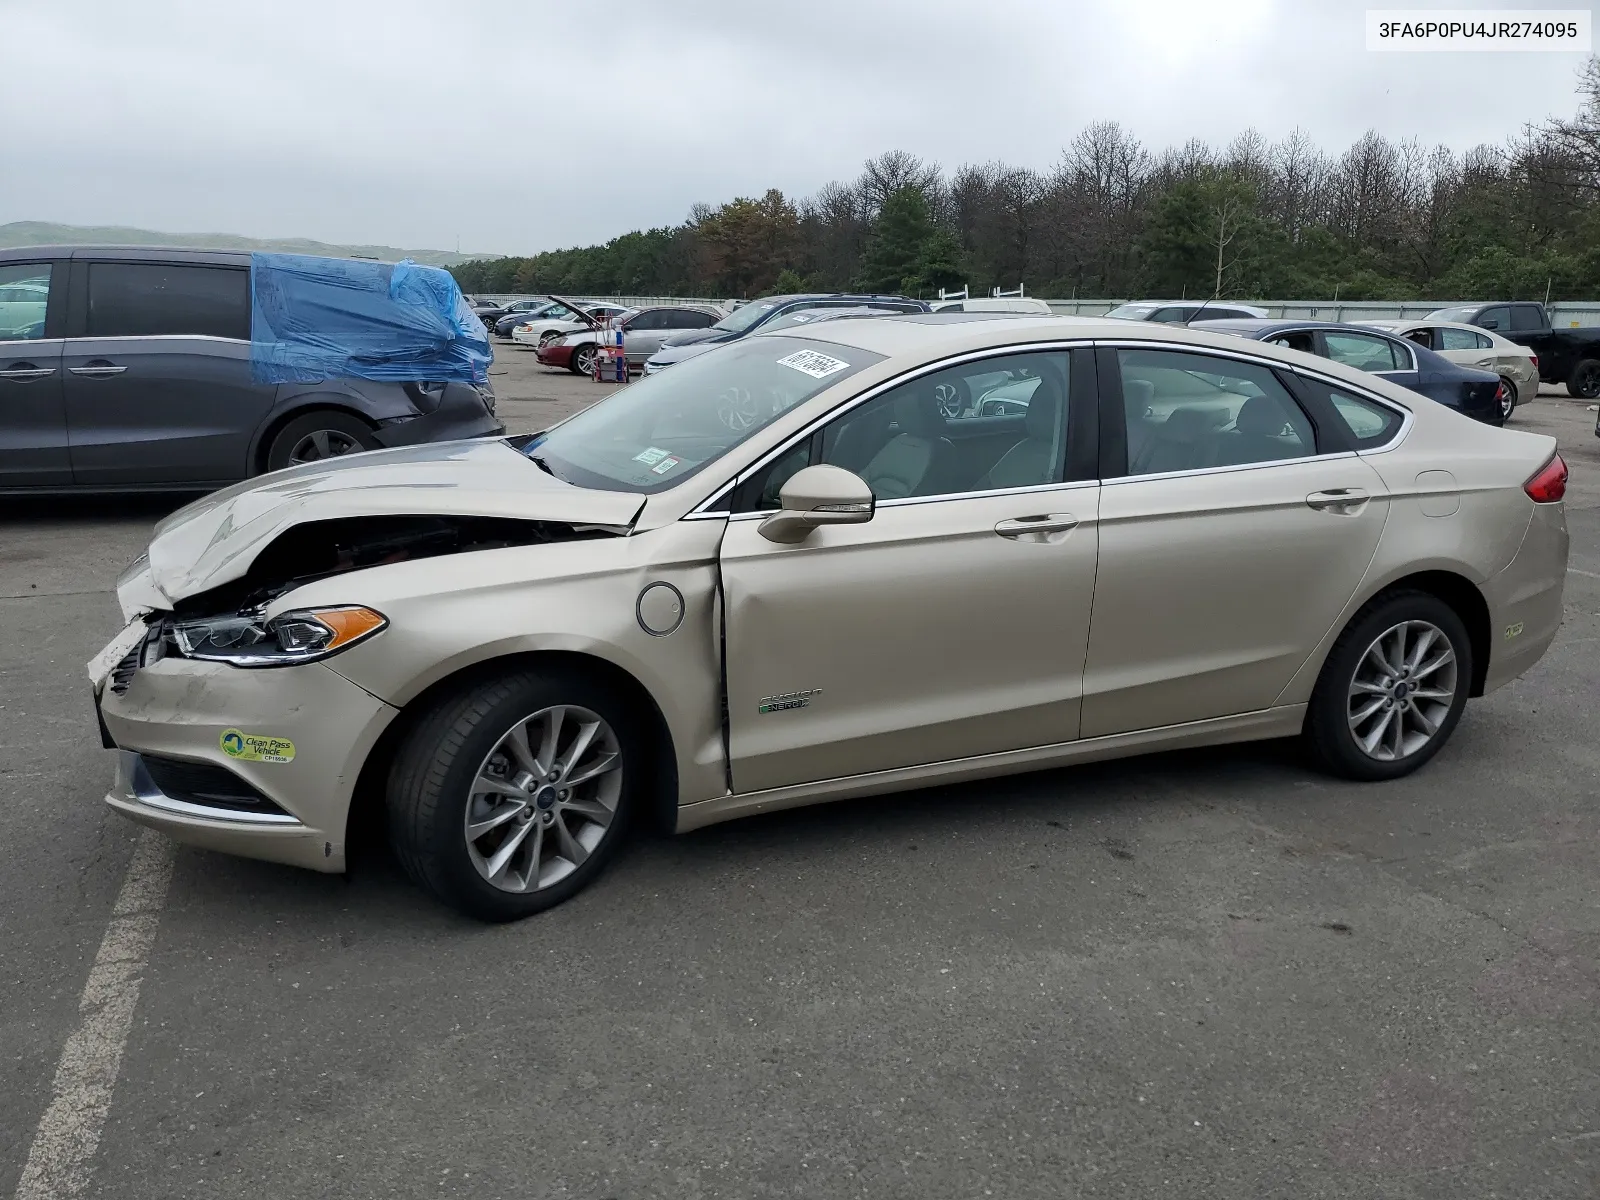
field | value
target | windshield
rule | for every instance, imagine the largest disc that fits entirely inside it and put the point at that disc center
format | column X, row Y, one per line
column 746, row 316
column 1133, row 312
column 657, row 432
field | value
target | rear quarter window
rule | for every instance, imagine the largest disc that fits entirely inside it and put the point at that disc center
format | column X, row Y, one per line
column 1367, row 423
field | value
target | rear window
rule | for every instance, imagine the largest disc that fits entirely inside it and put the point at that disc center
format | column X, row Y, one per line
column 24, row 297
column 145, row 299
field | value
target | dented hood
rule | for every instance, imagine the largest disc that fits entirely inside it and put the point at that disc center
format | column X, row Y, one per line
column 214, row 540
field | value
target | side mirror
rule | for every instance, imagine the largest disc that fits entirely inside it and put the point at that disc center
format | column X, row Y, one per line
column 820, row 495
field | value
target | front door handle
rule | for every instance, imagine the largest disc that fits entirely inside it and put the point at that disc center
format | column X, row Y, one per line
column 26, row 374
column 1338, row 500
column 101, row 370
column 1018, row 527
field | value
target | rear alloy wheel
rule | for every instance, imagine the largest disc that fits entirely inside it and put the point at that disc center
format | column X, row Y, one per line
column 583, row 360
column 1392, row 690
column 1506, row 397
column 318, row 436
column 510, row 798
column 1584, row 382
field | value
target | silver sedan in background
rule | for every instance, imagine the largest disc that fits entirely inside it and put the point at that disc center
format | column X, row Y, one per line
column 1474, row 347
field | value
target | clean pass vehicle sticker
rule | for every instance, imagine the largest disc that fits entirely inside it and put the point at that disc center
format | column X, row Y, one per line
column 256, row 747
column 809, row 362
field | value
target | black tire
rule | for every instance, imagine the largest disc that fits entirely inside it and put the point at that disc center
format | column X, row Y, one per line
column 582, row 361
column 1584, row 381
column 431, row 779
column 1327, row 728
column 1509, row 406
column 340, row 432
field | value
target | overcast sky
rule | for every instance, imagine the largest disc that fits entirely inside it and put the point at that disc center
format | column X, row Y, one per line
column 516, row 127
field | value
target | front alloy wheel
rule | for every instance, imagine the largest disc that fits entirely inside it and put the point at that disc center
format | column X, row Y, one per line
column 544, row 799
column 510, row 795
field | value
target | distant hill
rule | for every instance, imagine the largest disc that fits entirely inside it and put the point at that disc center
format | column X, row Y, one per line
column 47, row 233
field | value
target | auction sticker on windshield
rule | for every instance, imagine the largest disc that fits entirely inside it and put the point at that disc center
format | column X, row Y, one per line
column 650, row 456
column 809, row 362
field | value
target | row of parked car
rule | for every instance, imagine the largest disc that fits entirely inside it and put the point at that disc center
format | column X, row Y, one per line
column 131, row 368
column 1457, row 357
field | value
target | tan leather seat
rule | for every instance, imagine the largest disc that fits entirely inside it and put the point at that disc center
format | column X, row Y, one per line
column 919, row 459
column 1037, row 457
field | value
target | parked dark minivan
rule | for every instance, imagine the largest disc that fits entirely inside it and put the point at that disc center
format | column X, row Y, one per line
column 125, row 369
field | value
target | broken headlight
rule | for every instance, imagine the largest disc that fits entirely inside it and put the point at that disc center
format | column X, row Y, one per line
column 305, row 635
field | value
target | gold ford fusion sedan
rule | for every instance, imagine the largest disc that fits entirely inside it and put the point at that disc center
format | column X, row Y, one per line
column 771, row 577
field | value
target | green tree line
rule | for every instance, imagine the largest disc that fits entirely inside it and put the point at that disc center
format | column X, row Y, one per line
column 1383, row 220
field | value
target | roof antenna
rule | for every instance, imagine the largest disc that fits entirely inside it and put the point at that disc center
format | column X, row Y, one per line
column 1199, row 310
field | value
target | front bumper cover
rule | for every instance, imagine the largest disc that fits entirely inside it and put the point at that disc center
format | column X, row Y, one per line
column 186, row 710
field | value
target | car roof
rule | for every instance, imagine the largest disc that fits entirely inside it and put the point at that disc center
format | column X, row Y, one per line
column 938, row 333
column 1394, row 327
column 1261, row 326
column 177, row 254
column 797, row 297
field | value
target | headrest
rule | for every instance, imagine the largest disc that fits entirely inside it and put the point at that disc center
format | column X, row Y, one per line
column 1261, row 415
column 916, row 412
column 1044, row 410
column 1187, row 425
column 1137, row 395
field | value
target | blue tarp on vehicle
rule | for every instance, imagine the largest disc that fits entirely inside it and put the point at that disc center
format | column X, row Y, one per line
column 323, row 318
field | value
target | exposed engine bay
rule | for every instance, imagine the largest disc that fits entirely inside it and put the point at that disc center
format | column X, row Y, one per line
column 319, row 549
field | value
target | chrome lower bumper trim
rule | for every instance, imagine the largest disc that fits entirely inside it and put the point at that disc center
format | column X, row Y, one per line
column 134, row 782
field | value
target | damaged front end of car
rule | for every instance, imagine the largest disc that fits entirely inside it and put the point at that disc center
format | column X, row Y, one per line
column 229, row 623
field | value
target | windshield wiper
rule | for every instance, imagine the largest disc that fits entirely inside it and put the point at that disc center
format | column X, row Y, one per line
column 543, row 466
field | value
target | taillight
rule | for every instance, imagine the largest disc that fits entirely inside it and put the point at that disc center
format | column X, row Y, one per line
column 1534, row 359
column 1549, row 484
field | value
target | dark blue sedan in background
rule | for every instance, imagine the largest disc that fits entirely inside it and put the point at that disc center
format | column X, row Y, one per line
column 1471, row 392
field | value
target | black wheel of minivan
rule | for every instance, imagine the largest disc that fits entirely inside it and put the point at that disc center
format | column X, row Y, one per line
column 1392, row 689
column 317, row 436
column 510, row 797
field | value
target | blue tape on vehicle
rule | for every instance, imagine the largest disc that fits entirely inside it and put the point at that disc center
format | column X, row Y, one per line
column 324, row 318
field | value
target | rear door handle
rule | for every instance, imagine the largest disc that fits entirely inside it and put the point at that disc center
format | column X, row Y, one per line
column 25, row 374
column 1047, row 523
column 1338, row 500
column 97, row 370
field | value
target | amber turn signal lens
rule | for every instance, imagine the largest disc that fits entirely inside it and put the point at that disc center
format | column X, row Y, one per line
column 349, row 624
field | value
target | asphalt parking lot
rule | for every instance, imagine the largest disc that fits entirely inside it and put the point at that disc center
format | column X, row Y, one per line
column 1201, row 974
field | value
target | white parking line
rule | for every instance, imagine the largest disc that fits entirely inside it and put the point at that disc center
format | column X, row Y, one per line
column 62, row 1154
column 1586, row 574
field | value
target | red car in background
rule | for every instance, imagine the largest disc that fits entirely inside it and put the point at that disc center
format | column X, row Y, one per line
column 643, row 331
